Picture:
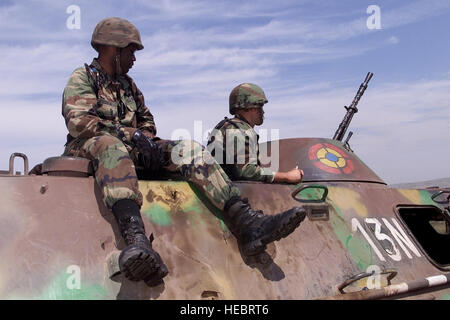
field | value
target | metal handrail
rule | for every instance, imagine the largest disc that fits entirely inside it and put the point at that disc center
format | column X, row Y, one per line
column 313, row 186
column 392, row 273
column 11, row 162
column 437, row 194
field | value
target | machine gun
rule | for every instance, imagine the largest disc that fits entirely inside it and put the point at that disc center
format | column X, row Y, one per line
column 351, row 110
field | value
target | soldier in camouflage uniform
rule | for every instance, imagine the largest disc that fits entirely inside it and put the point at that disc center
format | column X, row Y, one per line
column 235, row 144
column 109, row 124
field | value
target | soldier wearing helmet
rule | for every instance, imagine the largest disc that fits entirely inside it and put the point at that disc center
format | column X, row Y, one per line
column 122, row 38
column 246, row 103
column 109, row 123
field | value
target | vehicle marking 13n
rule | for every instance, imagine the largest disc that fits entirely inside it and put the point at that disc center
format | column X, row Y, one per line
column 397, row 233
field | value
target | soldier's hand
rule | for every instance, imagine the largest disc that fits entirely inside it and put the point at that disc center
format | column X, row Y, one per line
column 148, row 134
column 150, row 152
column 294, row 175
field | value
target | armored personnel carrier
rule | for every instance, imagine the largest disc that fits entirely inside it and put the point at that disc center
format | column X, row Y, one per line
column 362, row 239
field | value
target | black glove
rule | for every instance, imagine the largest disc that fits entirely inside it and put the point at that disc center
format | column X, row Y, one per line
column 149, row 151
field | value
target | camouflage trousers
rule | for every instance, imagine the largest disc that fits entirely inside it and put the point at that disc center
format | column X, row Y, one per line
column 115, row 171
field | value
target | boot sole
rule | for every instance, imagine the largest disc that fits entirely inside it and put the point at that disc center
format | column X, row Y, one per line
column 286, row 227
column 157, row 278
column 137, row 264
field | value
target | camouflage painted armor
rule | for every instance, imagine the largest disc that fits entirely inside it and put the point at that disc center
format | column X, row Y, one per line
column 240, row 160
column 101, row 127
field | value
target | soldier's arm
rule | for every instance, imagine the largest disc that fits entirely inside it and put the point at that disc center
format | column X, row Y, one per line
column 253, row 172
column 78, row 104
column 248, row 168
column 145, row 121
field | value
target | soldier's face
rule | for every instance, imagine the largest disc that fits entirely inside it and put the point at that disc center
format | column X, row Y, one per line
column 127, row 58
column 256, row 115
column 259, row 115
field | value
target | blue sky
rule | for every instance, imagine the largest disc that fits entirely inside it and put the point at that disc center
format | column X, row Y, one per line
column 309, row 57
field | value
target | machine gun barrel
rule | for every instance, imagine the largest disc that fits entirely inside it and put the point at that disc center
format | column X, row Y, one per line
column 352, row 109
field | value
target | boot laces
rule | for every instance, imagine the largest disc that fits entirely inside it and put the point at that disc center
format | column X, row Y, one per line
column 134, row 233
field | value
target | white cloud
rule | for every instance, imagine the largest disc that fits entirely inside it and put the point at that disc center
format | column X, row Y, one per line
column 195, row 53
column 400, row 130
column 34, row 127
column 413, row 12
column 393, row 40
column 39, row 69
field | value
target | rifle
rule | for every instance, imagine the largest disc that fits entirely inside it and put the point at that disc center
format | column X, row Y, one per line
column 351, row 110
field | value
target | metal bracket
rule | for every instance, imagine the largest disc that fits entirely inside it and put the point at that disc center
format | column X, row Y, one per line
column 346, row 144
column 316, row 209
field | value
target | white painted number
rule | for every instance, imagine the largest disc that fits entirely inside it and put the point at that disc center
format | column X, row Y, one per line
column 394, row 253
column 355, row 226
column 398, row 234
column 401, row 237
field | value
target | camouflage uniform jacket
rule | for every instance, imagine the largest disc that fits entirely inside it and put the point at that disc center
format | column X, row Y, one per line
column 93, row 104
column 243, row 163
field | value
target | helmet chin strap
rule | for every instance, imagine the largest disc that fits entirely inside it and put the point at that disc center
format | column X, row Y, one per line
column 117, row 62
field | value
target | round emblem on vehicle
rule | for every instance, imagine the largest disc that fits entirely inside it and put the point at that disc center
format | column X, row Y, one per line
column 330, row 158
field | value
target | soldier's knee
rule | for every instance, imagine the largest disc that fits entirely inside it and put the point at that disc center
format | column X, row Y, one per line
column 185, row 151
column 105, row 147
column 108, row 140
column 107, row 143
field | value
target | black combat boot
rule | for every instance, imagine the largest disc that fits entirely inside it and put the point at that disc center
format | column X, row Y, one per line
column 138, row 261
column 254, row 230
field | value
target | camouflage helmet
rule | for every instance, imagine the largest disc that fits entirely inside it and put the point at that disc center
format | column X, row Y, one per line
column 116, row 32
column 246, row 96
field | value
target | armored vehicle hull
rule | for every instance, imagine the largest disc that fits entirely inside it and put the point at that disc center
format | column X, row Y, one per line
column 362, row 239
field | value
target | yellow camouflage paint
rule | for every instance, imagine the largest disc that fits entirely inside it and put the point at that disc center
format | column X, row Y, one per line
column 412, row 195
column 162, row 198
column 417, row 196
column 224, row 283
column 169, row 194
column 347, row 199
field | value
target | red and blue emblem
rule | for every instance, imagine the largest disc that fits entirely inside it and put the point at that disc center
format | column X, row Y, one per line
column 330, row 158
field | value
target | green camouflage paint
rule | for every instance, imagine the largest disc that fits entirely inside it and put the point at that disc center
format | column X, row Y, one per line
column 201, row 198
column 311, row 193
column 57, row 289
column 425, row 197
column 157, row 214
column 359, row 250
